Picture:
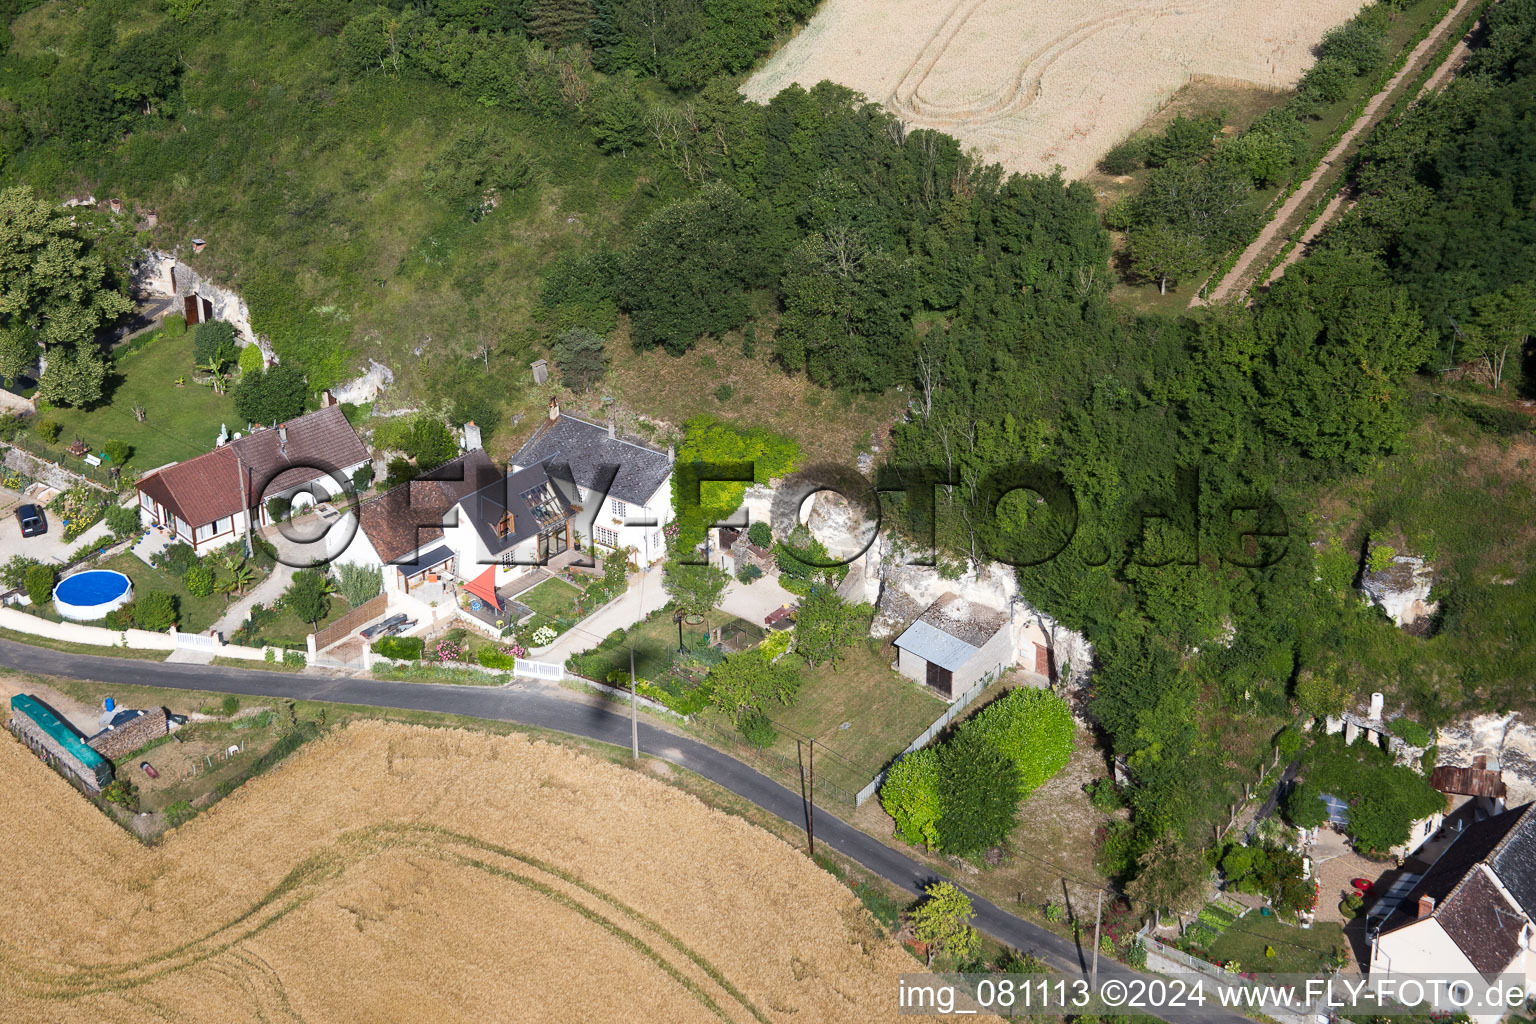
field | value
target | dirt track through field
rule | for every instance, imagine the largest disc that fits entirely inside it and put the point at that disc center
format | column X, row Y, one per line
column 1304, row 196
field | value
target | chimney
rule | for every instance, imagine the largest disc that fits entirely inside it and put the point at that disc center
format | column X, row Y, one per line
column 613, row 430
column 1378, row 701
column 671, row 454
column 117, row 206
column 327, row 400
column 554, row 409
column 1480, row 762
column 1426, row 905
column 282, row 438
column 198, row 245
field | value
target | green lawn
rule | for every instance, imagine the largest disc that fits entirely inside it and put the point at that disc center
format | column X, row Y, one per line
column 554, row 605
column 655, row 643
column 194, row 614
column 882, row 709
column 1297, row 950
column 179, row 423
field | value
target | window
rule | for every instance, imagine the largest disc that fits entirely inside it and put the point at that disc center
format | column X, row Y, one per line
column 581, row 492
column 205, row 531
column 620, row 510
column 606, row 537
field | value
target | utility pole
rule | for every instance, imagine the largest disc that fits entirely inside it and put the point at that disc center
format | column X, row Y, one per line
column 810, row 805
column 634, row 711
column 1097, row 920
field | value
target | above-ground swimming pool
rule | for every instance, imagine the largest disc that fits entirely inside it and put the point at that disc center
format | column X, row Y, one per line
column 90, row 595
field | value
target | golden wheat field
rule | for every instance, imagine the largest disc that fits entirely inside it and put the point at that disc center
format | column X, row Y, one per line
column 1033, row 84
column 399, row 873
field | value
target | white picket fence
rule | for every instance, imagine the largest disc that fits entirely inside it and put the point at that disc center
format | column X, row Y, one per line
column 197, row 642
column 528, row 669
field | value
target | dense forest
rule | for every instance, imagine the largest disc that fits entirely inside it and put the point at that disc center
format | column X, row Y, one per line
column 1220, row 599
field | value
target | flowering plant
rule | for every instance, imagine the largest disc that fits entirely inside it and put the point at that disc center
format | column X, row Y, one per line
column 447, row 650
column 543, row 635
column 514, row 651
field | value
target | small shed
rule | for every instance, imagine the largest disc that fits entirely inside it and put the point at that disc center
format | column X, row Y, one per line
column 954, row 645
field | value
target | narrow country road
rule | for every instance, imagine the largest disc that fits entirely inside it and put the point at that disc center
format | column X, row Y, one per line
column 554, row 711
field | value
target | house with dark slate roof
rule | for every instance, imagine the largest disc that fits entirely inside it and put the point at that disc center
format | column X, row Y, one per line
column 467, row 520
column 1472, row 912
column 621, row 487
column 208, row 501
column 954, row 645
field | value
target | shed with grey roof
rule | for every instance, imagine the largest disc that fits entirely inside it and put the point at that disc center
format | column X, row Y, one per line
column 954, row 645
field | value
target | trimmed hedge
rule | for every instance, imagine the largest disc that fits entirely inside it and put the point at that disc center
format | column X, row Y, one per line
column 408, row 648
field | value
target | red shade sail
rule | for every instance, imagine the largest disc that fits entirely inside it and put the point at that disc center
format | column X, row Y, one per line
column 484, row 587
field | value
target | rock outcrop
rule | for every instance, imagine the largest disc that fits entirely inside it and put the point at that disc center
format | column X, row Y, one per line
column 1402, row 590
column 367, row 387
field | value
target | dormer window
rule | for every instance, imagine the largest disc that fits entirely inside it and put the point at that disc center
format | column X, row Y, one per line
column 504, row 525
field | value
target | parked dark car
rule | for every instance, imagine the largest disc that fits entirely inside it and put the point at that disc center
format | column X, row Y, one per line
column 149, row 769
column 175, row 719
column 32, row 520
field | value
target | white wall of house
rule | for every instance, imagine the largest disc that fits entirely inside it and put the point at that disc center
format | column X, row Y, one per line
column 1424, row 949
column 474, row 557
column 617, row 525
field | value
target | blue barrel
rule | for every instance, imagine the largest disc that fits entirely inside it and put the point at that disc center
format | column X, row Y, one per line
column 111, row 704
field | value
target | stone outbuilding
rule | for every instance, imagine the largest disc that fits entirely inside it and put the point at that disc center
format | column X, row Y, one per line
column 954, row 645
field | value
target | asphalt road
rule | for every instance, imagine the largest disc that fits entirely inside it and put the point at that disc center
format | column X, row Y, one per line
column 549, row 711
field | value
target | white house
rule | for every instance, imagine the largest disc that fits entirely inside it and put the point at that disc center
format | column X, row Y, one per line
column 954, row 645
column 209, row 501
column 1471, row 912
column 620, row 488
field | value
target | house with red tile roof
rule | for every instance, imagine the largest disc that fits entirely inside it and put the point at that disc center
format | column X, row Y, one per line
column 208, row 501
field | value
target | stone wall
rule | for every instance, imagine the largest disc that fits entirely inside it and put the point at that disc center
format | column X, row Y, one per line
column 130, row 737
column 50, row 473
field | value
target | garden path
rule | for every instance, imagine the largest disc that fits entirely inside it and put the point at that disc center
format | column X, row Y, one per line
column 266, row 592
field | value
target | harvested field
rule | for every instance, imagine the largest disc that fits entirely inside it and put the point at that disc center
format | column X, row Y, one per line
column 400, row 873
column 1033, row 84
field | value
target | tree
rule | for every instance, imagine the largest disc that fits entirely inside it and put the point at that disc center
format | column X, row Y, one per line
column 943, row 921
column 696, row 589
column 688, row 270
column 18, row 352
column 979, row 792
column 271, row 396
column 1304, row 806
column 38, row 581
column 1327, row 81
column 155, row 610
column 308, row 595
column 910, row 794
column 1033, row 728
column 358, row 583
column 430, row 443
column 238, row 574
column 581, row 357
column 53, row 277
column 1165, row 254
column 122, row 520
column 618, row 119
column 746, row 684
column 1170, row 876
column 73, row 378
column 761, row 534
column 1502, row 322
column 213, row 344
column 825, row 626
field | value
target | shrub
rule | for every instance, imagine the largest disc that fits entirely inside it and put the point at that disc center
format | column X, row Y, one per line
column 295, row 659
column 1359, row 44
column 489, row 658
column 1380, row 558
column 910, row 794
column 1288, row 741
column 580, row 355
column 39, row 583
column 277, row 508
column 1136, row 956
column 122, row 618
column 1033, row 728
column 1055, row 912
column 1352, row 904
column 1409, row 731
column 362, row 477
column 48, row 430
column 178, row 558
column 155, row 610
column 198, row 580
column 174, row 326
column 723, row 393
column 406, row 648
column 117, row 452
column 1304, row 807
column 1185, row 138
column 749, row 572
column 213, row 343
column 1327, row 81
column 979, row 794
column 179, row 813
column 122, row 520
column 14, row 573
column 761, row 534
column 229, row 705
column 251, row 360
column 358, row 583
column 271, row 395
column 122, row 793
column 1124, row 157
column 1320, row 696
column 1104, row 795
column 757, row 729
